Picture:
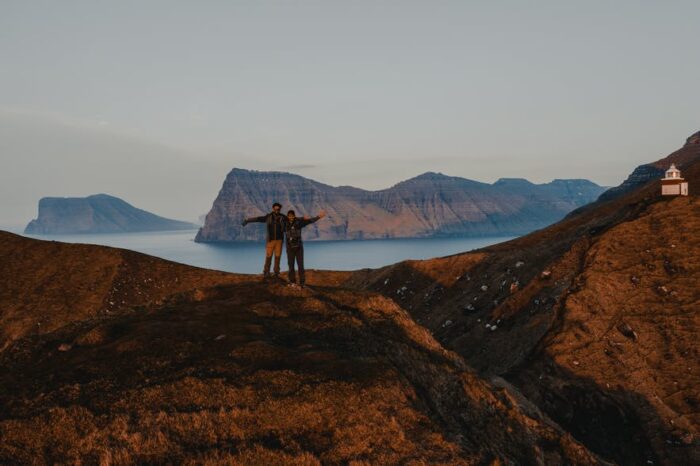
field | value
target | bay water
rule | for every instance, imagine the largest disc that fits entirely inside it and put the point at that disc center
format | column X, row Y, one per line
column 248, row 257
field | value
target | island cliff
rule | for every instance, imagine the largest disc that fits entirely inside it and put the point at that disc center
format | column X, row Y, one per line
column 99, row 213
column 429, row 205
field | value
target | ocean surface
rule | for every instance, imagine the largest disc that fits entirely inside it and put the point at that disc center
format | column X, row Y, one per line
column 248, row 257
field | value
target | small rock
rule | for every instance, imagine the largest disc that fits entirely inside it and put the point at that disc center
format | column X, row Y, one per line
column 493, row 327
column 576, row 363
column 546, row 274
column 627, row 331
column 519, row 264
column 386, row 282
column 484, row 287
column 64, row 347
column 634, row 279
column 514, row 287
column 220, row 337
column 447, row 323
column 469, row 307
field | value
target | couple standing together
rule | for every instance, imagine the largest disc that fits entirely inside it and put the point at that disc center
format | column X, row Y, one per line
column 279, row 228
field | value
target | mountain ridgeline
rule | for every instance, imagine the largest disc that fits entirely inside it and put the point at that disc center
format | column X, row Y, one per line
column 99, row 213
column 429, row 205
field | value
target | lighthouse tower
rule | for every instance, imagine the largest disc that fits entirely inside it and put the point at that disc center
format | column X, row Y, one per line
column 672, row 184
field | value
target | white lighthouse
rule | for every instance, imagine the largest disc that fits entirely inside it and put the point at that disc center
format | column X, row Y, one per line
column 673, row 184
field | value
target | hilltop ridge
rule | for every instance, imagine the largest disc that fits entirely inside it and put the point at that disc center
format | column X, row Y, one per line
column 152, row 361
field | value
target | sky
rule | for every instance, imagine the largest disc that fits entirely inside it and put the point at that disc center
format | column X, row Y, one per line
column 155, row 101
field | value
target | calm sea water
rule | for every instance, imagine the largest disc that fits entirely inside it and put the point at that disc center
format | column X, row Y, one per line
column 248, row 257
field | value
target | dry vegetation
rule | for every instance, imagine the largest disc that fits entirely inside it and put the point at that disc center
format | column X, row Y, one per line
column 250, row 373
column 594, row 319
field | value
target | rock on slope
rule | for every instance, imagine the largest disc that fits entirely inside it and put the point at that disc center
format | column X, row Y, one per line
column 595, row 319
column 99, row 213
column 431, row 204
column 201, row 367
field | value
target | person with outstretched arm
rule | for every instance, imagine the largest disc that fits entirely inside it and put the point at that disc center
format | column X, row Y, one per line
column 295, row 246
column 275, row 226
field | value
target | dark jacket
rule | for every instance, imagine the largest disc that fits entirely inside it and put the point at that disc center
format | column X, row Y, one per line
column 275, row 224
column 293, row 230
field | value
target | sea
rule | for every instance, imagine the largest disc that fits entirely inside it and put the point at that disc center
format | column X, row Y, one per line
column 248, row 257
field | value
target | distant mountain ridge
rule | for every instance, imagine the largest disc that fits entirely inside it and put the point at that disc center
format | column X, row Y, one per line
column 428, row 205
column 99, row 213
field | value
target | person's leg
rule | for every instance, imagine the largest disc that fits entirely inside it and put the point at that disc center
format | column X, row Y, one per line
column 290, row 263
column 278, row 256
column 300, row 264
column 268, row 258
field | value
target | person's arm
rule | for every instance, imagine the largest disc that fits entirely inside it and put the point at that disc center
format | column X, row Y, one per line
column 261, row 219
column 308, row 221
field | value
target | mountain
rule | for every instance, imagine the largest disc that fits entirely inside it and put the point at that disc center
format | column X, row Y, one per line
column 99, row 213
column 155, row 362
column 431, row 204
column 595, row 319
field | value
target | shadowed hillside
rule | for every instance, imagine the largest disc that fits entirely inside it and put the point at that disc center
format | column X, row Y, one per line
column 192, row 366
column 595, row 318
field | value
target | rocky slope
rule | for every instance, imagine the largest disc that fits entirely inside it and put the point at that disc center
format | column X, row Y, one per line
column 595, row 319
column 643, row 174
column 200, row 367
column 431, row 204
column 99, row 213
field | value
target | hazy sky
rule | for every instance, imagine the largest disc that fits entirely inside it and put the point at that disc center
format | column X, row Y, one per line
column 155, row 101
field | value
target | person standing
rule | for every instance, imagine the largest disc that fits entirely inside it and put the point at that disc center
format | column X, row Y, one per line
column 295, row 246
column 276, row 223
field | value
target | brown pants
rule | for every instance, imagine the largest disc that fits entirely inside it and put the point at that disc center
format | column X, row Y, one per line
column 273, row 246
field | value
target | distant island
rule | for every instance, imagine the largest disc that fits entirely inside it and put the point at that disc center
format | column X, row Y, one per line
column 429, row 205
column 99, row 213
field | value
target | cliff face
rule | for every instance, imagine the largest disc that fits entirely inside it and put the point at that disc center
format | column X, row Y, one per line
column 99, row 213
column 155, row 362
column 595, row 318
column 429, row 205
